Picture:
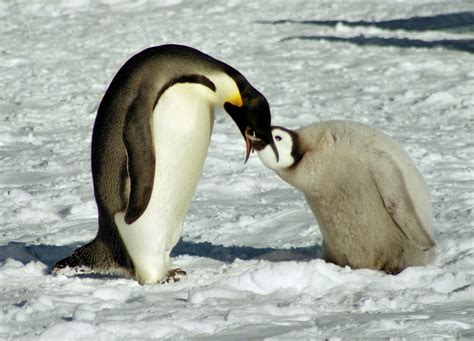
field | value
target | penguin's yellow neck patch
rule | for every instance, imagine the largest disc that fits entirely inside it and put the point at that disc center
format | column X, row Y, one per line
column 235, row 99
column 226, row 89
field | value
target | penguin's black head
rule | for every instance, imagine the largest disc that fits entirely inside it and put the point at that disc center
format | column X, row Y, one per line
column 253, row 119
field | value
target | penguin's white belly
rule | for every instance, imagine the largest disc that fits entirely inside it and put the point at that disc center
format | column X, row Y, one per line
column 182, row 124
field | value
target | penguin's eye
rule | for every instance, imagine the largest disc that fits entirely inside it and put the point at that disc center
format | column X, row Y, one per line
column 277, row 138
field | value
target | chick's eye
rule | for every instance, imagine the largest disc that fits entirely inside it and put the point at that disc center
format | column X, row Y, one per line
column 277, row 138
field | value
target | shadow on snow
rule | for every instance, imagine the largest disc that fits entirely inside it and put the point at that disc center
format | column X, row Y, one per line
column 50, row 254
column 466, row 45
column 461, row 22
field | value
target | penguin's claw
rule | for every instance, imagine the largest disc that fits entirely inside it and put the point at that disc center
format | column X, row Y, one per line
column 174, row 275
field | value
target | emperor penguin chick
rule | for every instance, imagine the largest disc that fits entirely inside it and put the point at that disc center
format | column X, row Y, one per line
column 371, row 203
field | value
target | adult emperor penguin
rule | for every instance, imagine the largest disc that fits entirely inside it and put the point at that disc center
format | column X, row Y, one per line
column 149, row 143
column 371, row 203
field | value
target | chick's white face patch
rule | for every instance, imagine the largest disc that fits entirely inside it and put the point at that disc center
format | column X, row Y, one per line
column 284, row 145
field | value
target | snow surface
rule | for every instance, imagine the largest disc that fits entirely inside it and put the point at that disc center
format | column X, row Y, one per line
column 250, row 244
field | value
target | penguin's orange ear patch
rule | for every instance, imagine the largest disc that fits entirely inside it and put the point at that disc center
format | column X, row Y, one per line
column 236, row 100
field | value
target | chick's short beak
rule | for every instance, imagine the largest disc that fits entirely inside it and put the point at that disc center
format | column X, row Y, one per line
column 267, row 138
column 252, row 142
column 275, row 150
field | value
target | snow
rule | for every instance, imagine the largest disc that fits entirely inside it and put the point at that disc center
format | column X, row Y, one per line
column 250, row 246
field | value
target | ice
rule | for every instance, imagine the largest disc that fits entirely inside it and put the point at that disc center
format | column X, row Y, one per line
column 120, row 294
column 84, row 312
column 251, row 246
column 74, row 330
column 441, row 98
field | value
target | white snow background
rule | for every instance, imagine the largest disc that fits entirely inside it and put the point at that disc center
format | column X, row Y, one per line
column 250, row 245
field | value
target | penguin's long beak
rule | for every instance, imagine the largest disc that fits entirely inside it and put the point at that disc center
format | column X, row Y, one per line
column 254, row 128
column 248, row 143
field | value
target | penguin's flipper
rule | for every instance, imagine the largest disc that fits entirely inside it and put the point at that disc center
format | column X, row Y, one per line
column 138, row 140
column 398, row 201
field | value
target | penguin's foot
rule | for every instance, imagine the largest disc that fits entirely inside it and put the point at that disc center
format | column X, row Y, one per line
column 174, row 275
column 92, row 258
column 70, row 266
column 73, row 266
column 71, row 271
